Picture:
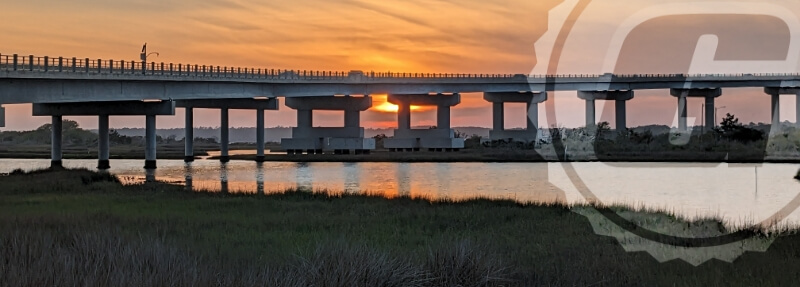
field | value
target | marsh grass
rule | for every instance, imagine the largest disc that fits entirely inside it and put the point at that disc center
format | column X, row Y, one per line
column 79, row 227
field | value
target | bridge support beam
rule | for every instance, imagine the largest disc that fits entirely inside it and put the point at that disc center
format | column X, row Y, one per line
column 438, row 139
column 775, row 93
column 709, row 94
column 710, row 117
column 620, row 113
column 259, row 135
column 150, row 142
column 259, row 104
column 55, row 142
column 188, row 139
column 224, row 135
column 531, row 100
column 310, row 139
column 103, row 110
column 103, row 143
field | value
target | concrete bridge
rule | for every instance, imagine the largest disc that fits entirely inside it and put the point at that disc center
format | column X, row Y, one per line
column 59, row 86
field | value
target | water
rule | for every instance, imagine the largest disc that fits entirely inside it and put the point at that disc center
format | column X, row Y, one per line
column 737, row 193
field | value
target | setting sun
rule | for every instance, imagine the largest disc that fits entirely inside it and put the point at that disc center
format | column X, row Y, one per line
column 380, row 104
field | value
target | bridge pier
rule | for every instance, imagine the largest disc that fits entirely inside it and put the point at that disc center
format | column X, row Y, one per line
column 619, row 98
column 709, row 94
column 338, row 140
column 188, row 139
column 498, row 100
column 259, row 135
column 102, row 143
column 225, row 105
column 224, row 135
column 440, row 138
column 55, row 142
column 150, row 142
column 775, row 93
column 103, row 110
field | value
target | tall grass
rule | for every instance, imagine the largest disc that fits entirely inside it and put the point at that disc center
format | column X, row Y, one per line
column 70, row 252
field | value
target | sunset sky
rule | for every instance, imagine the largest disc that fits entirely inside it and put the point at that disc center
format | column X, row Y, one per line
column 445, row 36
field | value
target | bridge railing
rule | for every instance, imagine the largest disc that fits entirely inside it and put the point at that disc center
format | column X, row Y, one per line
column 32, row 63
column 100, row 66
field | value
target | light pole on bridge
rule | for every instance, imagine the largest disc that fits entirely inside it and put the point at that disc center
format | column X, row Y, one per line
column 143, row 56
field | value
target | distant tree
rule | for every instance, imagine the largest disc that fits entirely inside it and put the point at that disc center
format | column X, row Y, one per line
column 66, row 125
column 731, row 129
column 115, row 137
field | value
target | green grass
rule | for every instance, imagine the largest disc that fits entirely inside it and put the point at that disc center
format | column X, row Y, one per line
column 77, row 227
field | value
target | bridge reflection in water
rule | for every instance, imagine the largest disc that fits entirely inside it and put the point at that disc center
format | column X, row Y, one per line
column 731, row 191
column 429, row 180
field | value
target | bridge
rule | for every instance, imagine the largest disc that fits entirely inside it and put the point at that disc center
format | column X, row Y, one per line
column 60, row 86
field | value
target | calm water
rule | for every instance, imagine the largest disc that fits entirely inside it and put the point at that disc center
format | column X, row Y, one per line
column 742, row 192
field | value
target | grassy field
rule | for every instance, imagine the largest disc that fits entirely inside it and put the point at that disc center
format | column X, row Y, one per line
column 77, row 227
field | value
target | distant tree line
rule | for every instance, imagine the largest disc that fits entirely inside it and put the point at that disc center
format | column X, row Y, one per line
column 73, row 135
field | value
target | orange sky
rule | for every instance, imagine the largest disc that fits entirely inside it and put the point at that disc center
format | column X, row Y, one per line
column 471, row 36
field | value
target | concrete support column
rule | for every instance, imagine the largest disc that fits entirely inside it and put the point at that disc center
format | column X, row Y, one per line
column 352, row 118
column 443, row 117
column 260, row 135
column 710, row 119
column 150, row 142
column 404, row 116
column 102, row 141
column 797, row 110
column 189, row 136
column 621, row 115
column 682, row 113
column 776, row 110
column 533, row 116
column 223, row 135
column 55, row 142
column 591, row 121
column 304, row 118
column 708, row 94
column 498, row 116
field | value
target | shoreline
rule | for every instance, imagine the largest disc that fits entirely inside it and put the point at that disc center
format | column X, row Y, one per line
column 413, row 157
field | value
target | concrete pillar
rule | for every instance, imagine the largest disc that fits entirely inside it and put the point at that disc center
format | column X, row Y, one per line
column 443, row 117
column 189, row 136
column 404, row 116
column 223, row 135
column 620, row 113
column 591, row 121
column 102, row 141
column 352, row 118
column 797, row 109
column 776, row 110
column 304, row 118
column 150, row 142
column 708, row 94
column 498, row 116
column 682, row 113
column 710, row 119
column 55, row 142
column 259, row 135
column 533, row 116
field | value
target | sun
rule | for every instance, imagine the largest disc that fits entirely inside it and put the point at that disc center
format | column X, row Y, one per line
column 381, row 104
column 387, row 107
